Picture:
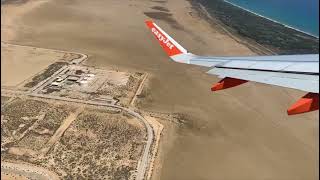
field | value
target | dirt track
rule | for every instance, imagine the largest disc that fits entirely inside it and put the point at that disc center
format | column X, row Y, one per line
column 25, row 170
column 64, row 126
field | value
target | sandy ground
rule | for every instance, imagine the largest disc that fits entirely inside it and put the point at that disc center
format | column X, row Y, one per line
column 19, row 63
column 12, row 171
column 10, row 17
column 157, row 130
column 238, row 134
column 12, row 177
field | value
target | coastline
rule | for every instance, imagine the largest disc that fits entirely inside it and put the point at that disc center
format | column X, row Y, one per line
column 198, row 146
column 252, row 27
column 251, row 44
column 288, row 26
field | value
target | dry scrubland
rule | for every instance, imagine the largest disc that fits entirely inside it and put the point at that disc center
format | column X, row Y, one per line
column 21, row 114
column 98, row 144
column 240, row 133
column 4, row 99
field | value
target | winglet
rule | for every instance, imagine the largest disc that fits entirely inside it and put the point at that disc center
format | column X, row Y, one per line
column 169, row 45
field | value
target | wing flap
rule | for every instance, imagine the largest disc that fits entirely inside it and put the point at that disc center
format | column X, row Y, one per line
column 274, row 63
column 302, row 82
column 291, row 71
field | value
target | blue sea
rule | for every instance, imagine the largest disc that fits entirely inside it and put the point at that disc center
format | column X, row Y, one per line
column 302, row 15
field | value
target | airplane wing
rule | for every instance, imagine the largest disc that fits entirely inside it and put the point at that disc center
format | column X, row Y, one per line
column 291, row 71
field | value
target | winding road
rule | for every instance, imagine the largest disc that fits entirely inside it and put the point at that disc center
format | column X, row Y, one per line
column 145, row 158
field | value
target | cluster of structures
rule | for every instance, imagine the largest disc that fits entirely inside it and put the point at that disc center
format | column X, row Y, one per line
column 73, row 77
column 88, row 83
column 57, row 121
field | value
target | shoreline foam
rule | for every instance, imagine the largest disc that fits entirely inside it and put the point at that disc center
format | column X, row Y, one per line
column 275, row 21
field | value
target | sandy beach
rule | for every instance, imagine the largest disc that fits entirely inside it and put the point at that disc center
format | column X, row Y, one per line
column 241, row 133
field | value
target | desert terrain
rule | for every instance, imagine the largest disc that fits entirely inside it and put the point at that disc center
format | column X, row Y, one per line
column 68, row 120
column 19, row 71
column 70, row 141
column 241, row 133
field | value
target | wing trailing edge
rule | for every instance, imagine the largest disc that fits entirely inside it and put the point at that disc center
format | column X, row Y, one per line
column 292, row 71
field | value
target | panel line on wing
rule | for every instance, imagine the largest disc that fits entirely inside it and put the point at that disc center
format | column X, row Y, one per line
column 265, row 70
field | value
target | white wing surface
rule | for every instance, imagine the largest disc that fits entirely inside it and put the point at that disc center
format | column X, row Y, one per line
column 291, row 71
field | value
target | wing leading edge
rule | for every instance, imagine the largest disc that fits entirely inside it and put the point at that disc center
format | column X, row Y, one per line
column 291, row 71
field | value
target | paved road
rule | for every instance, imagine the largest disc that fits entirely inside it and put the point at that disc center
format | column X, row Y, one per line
column 145, row 158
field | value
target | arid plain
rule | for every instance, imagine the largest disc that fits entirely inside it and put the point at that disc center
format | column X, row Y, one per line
column 241, row 133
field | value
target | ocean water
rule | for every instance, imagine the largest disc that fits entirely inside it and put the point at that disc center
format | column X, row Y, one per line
column 302, row 15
